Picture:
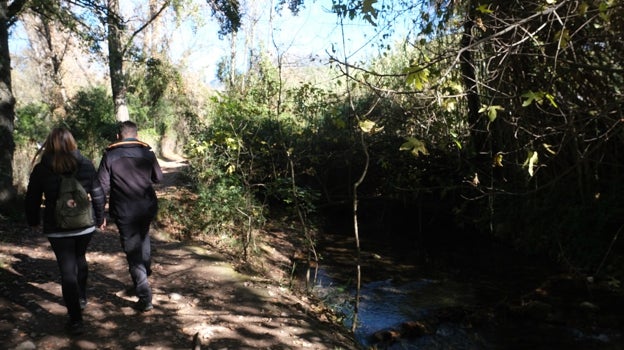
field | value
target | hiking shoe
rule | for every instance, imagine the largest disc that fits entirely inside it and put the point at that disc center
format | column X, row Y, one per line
column 143, row 305
column 74, row 327
column 83, row 303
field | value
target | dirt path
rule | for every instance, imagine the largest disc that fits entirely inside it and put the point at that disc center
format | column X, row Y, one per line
column 196, row 291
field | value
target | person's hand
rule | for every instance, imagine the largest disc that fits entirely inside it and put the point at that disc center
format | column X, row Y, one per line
column 103, row 226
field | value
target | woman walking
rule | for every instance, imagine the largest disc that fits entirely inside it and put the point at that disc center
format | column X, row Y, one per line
column 60, row 157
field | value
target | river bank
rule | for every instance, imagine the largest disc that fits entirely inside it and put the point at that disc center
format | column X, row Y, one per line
column 467, row 295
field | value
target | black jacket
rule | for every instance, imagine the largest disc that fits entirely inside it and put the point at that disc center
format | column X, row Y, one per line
column 127, row 173
column 44, row 184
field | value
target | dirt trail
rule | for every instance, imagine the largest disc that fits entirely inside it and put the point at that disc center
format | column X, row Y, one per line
column 196, row 291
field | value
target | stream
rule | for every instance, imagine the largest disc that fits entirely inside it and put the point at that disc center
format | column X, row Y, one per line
column 449, row 300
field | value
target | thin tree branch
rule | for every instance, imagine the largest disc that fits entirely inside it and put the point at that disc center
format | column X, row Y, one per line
column 141, row 28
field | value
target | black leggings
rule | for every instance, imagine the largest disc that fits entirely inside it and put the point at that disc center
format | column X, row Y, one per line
column 70, row 256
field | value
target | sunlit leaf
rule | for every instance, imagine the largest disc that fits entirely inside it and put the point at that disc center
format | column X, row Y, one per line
column 491, row 111
column 603, row 9
column 475, row 180
column 449, row 105
column 455, row 140
column 367, row 126
column 529, row 97
column 551, row 99
column 564, row 38
column 548, row 148
column 498, row 160
column 484, row 9
column 614, row 283
column 531, row 162
column 538, row 97
column 417, row 77
column 479, row 23
column 414, row 146
column 231, row 143
column 583, row 7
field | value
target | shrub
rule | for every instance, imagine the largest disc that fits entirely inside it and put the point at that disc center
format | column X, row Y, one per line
column 91, row 119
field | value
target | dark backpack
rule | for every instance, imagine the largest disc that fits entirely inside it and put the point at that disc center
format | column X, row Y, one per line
column 73, row 207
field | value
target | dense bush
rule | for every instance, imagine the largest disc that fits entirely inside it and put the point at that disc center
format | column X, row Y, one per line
column 32, row 125
column 90, row 117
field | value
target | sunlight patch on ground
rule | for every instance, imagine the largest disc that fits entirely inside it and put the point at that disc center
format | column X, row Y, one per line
column 206, row 331
column 53, row 308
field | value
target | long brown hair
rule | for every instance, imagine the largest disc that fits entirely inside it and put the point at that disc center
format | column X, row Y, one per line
column 59, row 145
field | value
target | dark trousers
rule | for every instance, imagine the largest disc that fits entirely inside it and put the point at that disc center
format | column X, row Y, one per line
column 70, row 256
column 135, row 242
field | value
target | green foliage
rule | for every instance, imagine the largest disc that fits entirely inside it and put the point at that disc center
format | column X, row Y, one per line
column 538, row 97
column 435, row 114
column 90, row 117
column 414, row 146
column 492, row 111
column 417, row 77
column 158, row 100
column 223, row 200
column 545, row 125
column 219, row 171
column 228, row 14
column 32, row 122
column 32, row 125
column 287, row 197
column 243, row 158
column 352, row 9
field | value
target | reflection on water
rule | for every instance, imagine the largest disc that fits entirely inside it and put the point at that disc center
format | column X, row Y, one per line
column 386, row 305
column 394, row 291
column 398, row 290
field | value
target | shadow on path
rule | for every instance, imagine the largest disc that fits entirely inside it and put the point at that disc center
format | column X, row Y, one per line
column 196, row 291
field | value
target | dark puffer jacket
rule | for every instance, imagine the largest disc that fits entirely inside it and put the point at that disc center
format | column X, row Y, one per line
column 44, row 185
column 127, row 173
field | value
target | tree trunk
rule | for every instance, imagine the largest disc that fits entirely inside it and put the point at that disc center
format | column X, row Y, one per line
column 469, row 76
column 58, row 96
column 154, row 40
column 49, row 44
column 115, row 61
column 7, row 112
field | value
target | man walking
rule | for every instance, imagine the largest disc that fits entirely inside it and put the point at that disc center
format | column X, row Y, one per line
column 127, row 172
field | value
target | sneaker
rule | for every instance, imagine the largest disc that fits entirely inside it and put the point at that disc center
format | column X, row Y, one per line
column 83, row 303
column 143, row 305
column 74, row 327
